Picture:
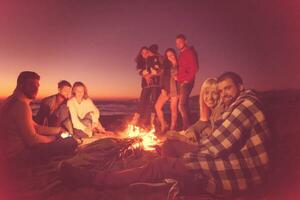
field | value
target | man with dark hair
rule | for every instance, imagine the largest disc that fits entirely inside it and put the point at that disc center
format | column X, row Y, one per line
column 53, row 109
column 187, row 69
column 21, row 139
column 232, row 160
column 231, row 75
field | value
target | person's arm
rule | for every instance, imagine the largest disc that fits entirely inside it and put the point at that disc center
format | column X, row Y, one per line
column 95, row 116
column 95, row 112
column 42, row 113
column 232, row 132
column 74, row 117
column 46, row 130
column 26, row 127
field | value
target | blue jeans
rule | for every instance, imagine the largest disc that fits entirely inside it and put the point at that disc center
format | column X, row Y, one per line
column 185, row 90
column 148, row 98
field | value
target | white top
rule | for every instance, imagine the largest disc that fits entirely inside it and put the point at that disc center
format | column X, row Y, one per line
column 79, row 110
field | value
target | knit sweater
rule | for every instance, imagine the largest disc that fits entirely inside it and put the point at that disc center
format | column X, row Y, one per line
column 79, row 111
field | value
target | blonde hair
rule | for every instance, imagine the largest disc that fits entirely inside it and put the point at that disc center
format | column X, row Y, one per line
column 210, row 82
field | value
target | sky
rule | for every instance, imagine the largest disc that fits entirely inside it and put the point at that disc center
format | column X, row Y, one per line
column 96, row 41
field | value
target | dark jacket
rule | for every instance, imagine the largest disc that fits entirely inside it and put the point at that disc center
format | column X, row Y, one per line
column 151, row 64
column 47, row 108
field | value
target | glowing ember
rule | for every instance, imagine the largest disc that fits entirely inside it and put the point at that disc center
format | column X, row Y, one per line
column 148, row 139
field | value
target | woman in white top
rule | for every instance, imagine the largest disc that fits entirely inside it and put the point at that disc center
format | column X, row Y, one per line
column 84, row 113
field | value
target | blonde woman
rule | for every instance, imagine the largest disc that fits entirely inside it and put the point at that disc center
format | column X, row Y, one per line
column 84, row 113
column 209, row 111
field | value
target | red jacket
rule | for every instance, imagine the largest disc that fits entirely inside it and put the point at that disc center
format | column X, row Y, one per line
column 187, row 65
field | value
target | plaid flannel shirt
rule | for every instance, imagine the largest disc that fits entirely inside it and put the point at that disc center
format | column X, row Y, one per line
column 234, row 158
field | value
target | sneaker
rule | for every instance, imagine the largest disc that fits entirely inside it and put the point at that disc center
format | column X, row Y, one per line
column 146, row 187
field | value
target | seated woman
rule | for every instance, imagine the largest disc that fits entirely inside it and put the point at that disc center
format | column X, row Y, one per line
column 84, row 113
column 210, row 111
column 168, row 90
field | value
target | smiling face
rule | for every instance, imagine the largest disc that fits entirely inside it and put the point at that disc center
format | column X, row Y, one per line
column 211, row 96
column 79, row 92
column 229, row 91
column 171, row 56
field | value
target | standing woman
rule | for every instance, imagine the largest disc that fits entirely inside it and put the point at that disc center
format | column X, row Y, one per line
column 84, row 113
column 148, row 67
column 168, row 90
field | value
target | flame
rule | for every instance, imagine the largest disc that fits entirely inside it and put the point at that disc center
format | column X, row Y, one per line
column 148, row 138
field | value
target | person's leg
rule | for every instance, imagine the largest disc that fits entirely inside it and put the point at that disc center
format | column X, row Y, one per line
column 155, row 92
column 62, row 118
column 174, row 112
column 59, row 147
column 154, row 171
column 162, row 99
column 183, row 105
column 176, row 148
column 143, row 105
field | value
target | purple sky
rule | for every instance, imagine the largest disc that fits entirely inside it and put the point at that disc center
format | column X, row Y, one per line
column 96, row 41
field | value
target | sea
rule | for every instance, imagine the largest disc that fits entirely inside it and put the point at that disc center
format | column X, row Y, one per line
column 116, row 107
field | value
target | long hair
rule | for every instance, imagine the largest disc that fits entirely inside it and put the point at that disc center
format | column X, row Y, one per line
column 208, row 83
column 139, row 58
column 80, row 84
column 174, row 52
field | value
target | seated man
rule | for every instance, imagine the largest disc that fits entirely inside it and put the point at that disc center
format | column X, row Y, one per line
column 233, row 159
column 21, row 139
column 54, row 111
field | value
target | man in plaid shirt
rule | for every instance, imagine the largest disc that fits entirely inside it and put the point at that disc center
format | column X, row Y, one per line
column 233, row 159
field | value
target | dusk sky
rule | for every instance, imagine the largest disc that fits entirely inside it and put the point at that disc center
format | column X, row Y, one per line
column 96, row 41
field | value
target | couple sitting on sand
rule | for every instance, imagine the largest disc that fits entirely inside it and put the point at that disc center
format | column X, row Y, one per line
column 57, row 109
column 225, row 152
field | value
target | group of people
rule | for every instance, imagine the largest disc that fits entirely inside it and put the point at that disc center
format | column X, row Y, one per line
column 225, row 151
column 61, row 122
column 168, row 77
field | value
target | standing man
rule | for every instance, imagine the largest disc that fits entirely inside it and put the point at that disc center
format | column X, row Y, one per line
column 187, row 69
column 54, row 111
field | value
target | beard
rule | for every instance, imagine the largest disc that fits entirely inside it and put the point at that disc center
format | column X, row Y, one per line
column 30, row 94
column 227, row 100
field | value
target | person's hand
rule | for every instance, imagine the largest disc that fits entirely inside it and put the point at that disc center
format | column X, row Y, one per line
column 97, row 127
column 175, row 77
column 88, row 131
column 61, row 130
column 148, row 79
column 164, row 92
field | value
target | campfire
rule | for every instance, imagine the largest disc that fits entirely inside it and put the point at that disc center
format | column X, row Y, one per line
column 147, row 139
